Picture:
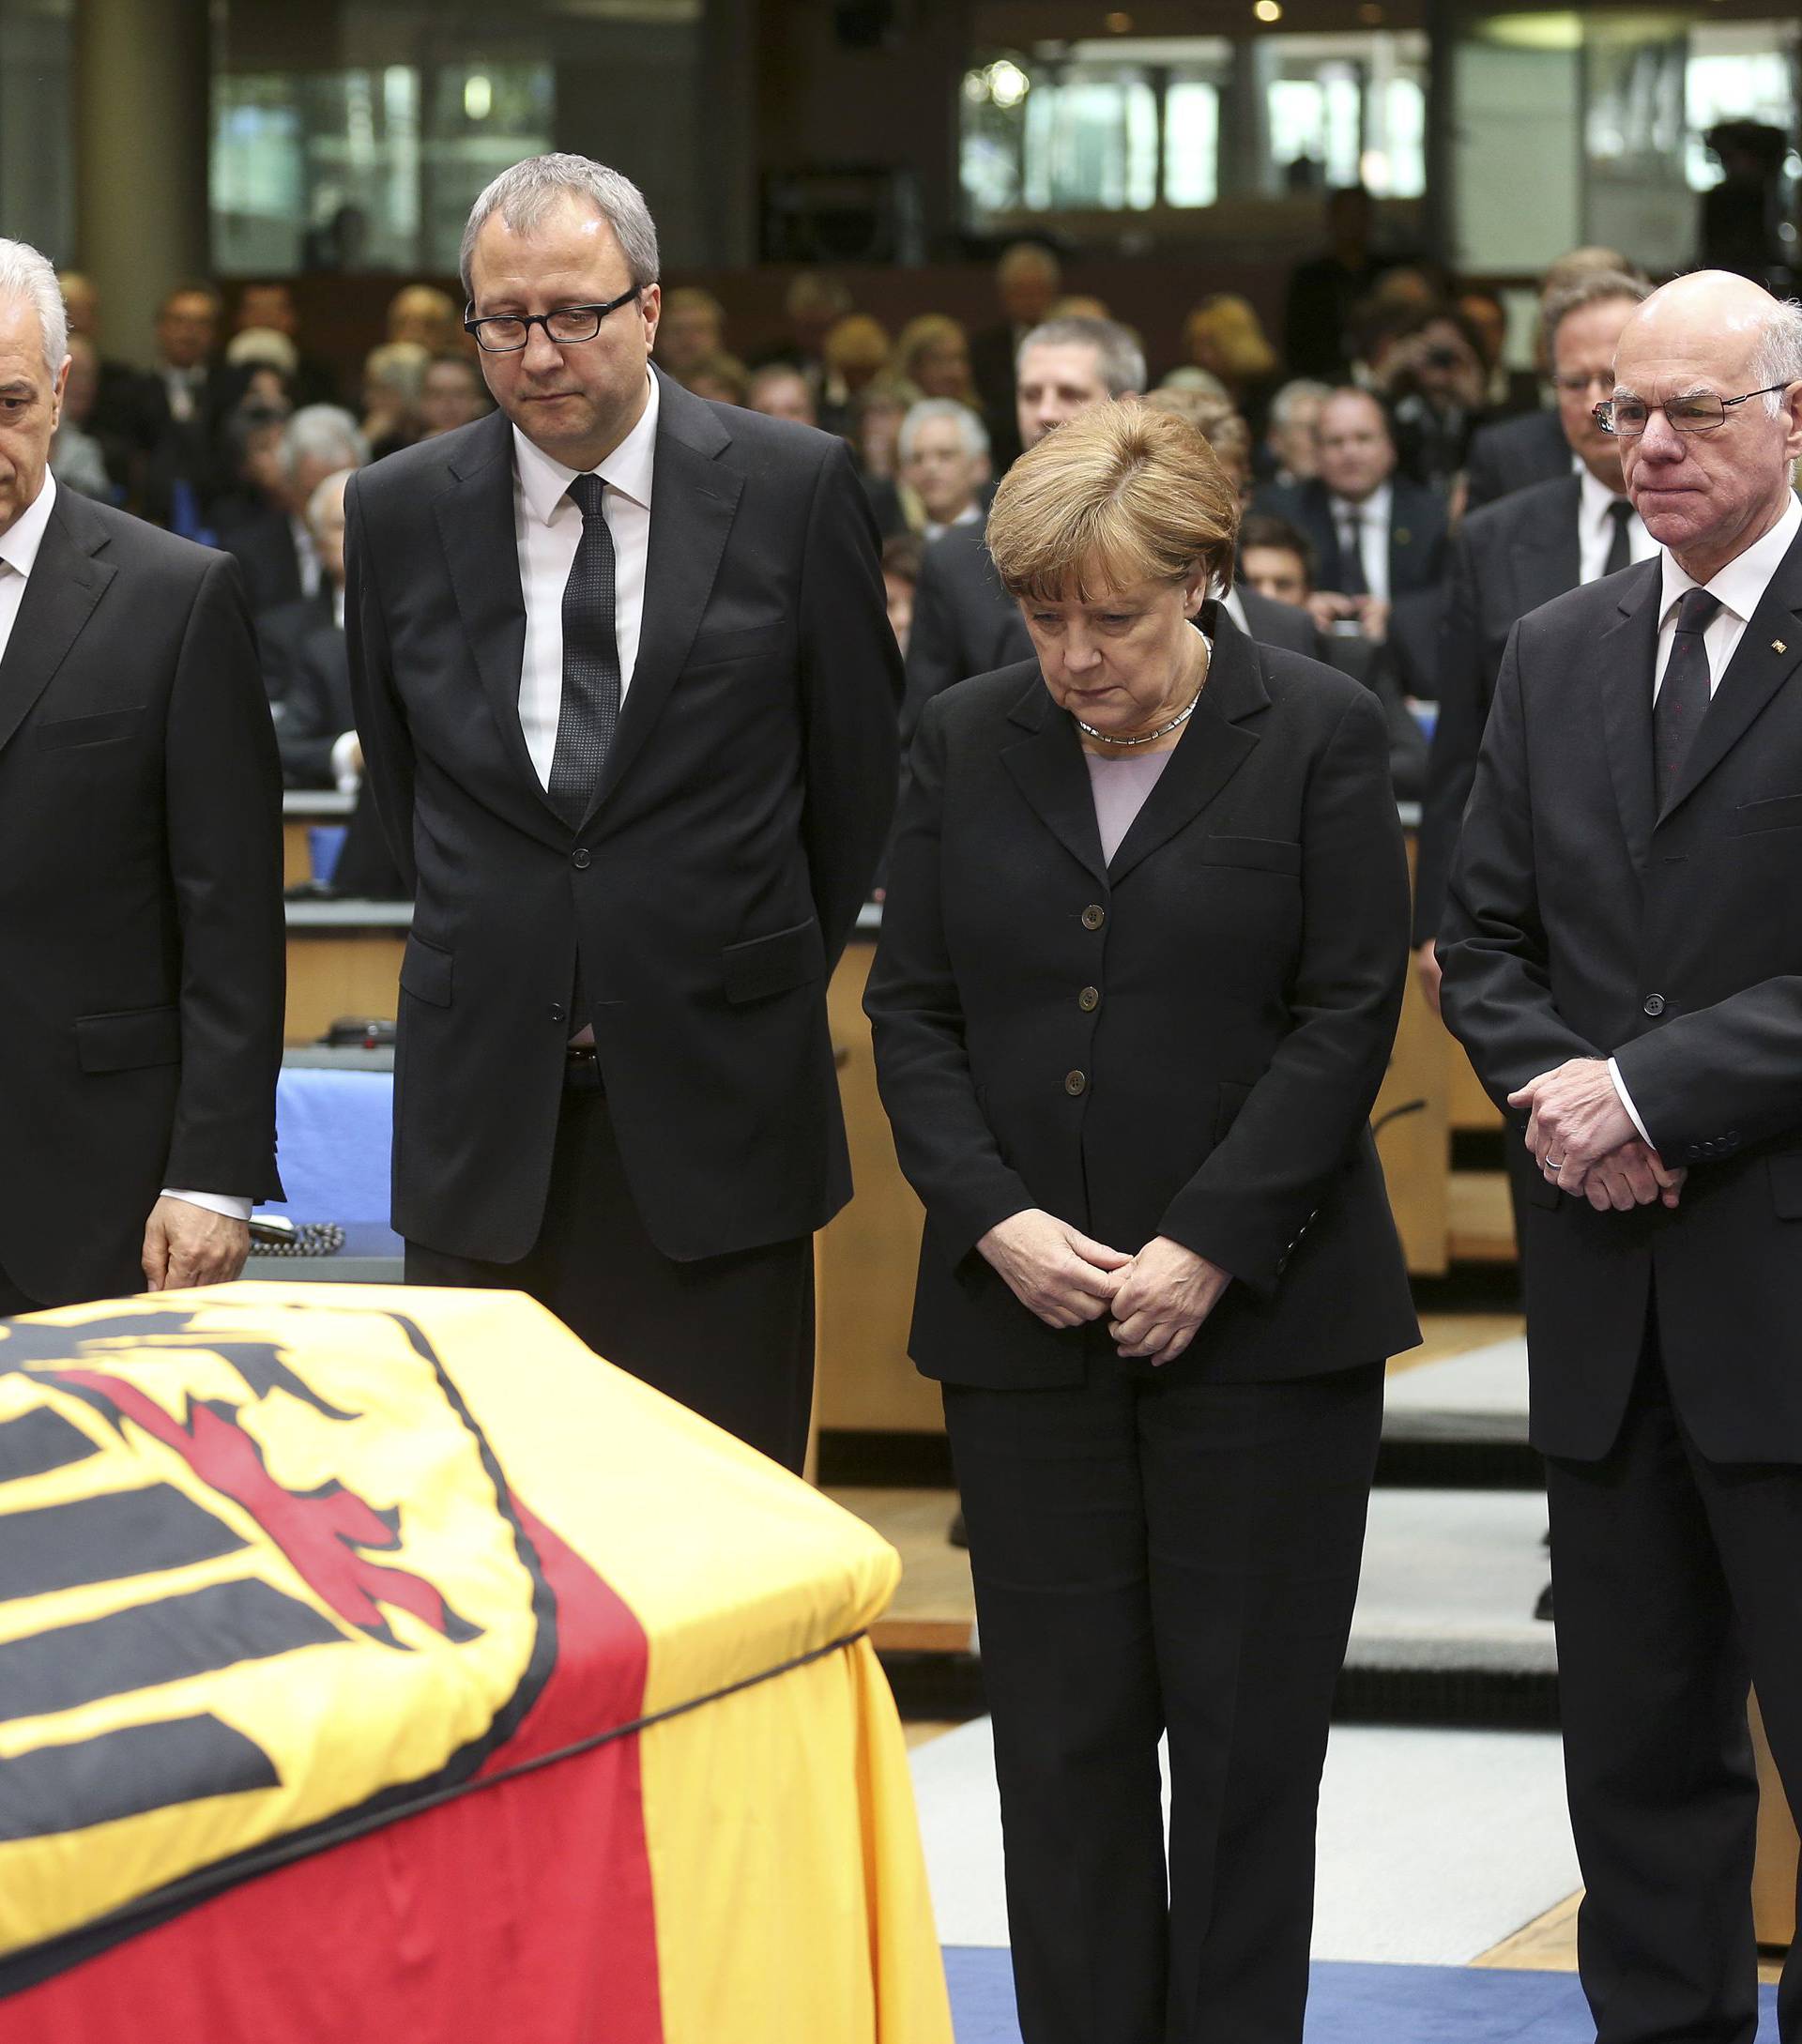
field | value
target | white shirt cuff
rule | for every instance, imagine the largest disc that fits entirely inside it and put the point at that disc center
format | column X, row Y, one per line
column 229, row 1204
column 346, row 778
column 1627, row 1100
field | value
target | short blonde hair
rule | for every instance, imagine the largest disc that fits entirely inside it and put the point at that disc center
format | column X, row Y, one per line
column 1115, row 497
column 857, row 342
column 1226, row 331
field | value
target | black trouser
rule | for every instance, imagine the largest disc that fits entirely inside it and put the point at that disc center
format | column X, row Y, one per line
column 731, row 1338
column 1678, row 1580
column 1155, row 1552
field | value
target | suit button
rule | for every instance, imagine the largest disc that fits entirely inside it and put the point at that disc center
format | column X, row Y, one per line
column 1075, row 1083
column 1094, row 916
column 558, row 1012
column 579, row 857
column 1654, row 1004
column 1089, row 1000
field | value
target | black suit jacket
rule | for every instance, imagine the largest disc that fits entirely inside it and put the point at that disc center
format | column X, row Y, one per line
column 317, row 711
column 1417, row 532
column 1248, row 945
column 279, row 633
column 1505, row 560
column 262, row 541
column 1583, row 922
column 140, row 898
column 712, row 887
column 993, row 363
column 1514, row 454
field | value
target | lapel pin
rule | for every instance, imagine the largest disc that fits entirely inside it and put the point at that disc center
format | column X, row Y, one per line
column 1777, row 647
column 1401, row 535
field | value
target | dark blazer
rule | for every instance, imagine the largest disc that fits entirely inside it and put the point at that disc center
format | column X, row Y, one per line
column 140, row 898
column 994, row 355
column 1417, row 532
column 262, row 541
column 1514, row 454
column 746, row 797
column 1247, row 945
column 964, row 624
column 279, row 633
column 1505, row 560
column 318, row 710
column 1583, row 922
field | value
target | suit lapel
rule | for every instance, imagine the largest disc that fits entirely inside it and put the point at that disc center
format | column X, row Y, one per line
column 65, row 584
column 1213, row 748
column 1547, row 559
column 1629, row 654
column 695, row 498
column 1048, row 769
column 481, row 548
column 1755, row 675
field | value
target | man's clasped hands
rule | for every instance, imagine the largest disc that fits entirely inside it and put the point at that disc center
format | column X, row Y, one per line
column 1155, row 1301
column 1584, row 1139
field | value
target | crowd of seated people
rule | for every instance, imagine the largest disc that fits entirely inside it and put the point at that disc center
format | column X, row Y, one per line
column 1356, row 440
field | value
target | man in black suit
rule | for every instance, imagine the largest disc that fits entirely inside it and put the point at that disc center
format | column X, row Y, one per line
column 964, row 622
column 1325, row 291
column 1620, row 954
column 140, row 843
column 627, row 694
column 1375, row 534
column 316, row 723
column 1511, row 556
column 1513, row 454
column 270, row 536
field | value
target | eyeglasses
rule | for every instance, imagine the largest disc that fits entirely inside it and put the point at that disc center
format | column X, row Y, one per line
column 1627, row 418
column 506, row 333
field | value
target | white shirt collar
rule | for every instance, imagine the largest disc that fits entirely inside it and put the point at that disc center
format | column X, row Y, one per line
column 1370, row 511
column 20, row 543
column 1741, row 583
column 544, row 482
column 1591, row 504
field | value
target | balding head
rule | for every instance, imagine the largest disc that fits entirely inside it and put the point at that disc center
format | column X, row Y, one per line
column 1710, row 493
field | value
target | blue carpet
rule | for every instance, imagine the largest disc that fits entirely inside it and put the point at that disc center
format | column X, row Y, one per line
column 1355, row 2004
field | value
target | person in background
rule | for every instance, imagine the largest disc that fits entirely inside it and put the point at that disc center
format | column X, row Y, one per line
column 272, row 542
column 1219, row 423
column 450, row 395
column 393, row 385
column 874, row 437
column 944, row 461
column 1142, row 954
column 932, row 354
column 180, row 402
column 722, row 377
column 425, row 315
column 316, row 733
column 692, row 330
column 115, row 420
column 270, row 308
column 1291, row 452
column 900, row 573
column 261, row 364
column 1276, row 561
column 77, row 459
column 1325, row 291
column 812, row 305
column 1027, row 278
column 1222, row 335
column 780, row 390
column 856, row 353
column 252, row 459
column 1434, row 382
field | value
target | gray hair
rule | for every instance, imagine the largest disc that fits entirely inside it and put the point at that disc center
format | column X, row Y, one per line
column 1121, row 359
column 333, row 485
column 1302, row 390
column 1778, row 359
column 1591, row 287
column 970, row 429
column 323, row 433
column 400, row 367
column 24, row 274
column 525, row 195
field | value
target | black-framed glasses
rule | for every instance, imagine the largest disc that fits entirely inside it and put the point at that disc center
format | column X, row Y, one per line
column 1627, row 418
column 506, row 333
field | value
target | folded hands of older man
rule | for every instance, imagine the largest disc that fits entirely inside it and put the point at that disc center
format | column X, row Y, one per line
column 1155, row 1301
column 1584, row 1142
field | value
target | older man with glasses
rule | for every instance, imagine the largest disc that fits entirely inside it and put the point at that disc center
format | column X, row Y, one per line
column 627, row 696
column 1622, row 956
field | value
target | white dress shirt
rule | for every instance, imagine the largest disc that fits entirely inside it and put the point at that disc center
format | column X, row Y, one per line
column 19, row 546
column 306, row 555
column 1595, row 529
column 547, row 524
column 1740, row 586
column 1372, row 520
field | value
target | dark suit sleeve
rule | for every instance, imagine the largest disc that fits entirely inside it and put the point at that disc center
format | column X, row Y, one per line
column 1726, row 1072
column 1458, row 735
column 1407, row 741
column 850, row 694
column 1496, row 990
column 1253, row 1195
column 935, row 655
column 947, row 1153
column 223, row 789
column 381, row 722
column 1482, row 481
column 315, row 716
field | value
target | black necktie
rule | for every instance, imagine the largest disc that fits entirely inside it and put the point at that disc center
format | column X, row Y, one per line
column 1351, row 581
column 1620, row 553
column 1683, row 694
column 590, row 710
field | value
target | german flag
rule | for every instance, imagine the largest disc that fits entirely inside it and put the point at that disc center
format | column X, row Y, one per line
column 379, row 1664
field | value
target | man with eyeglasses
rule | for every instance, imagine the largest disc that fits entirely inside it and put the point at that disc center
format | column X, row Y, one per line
column 627, row 696
column 1622, row 959
column 1513, row 556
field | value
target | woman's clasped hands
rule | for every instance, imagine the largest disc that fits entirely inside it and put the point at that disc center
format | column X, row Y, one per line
column 1155, row 1301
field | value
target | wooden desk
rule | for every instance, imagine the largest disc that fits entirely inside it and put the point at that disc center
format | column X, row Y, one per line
column 301, row 808
column 343, row 958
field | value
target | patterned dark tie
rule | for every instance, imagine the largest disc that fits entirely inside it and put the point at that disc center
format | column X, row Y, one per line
column 591, row 711
column 1683, row 694
column 1620, row 551
column 1351, row 576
